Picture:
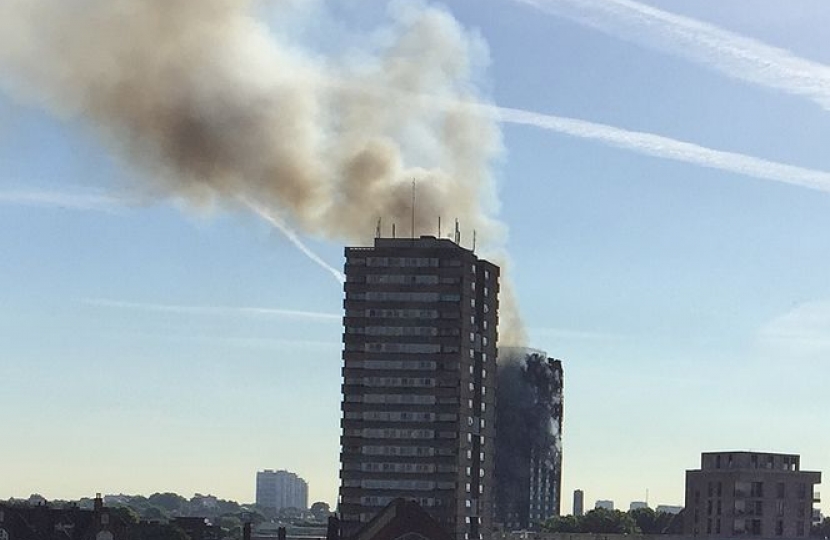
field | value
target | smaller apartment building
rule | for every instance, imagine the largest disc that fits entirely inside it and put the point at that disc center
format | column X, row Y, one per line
column 749, row 494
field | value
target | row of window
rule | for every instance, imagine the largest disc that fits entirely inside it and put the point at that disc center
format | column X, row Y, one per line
column 426, row 502
column 400, row 416
column 753, row 490
column 411, row 451
column 407, row 348
column 393, row 382
column 427, row 331
column 391, row 433
column 414, row 365
column 403, row 399
column 387, row 467
column 409, row 279
column 400, row 262
column 401, row 313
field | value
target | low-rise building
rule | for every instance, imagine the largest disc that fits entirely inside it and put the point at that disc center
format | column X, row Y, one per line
column 750, row 494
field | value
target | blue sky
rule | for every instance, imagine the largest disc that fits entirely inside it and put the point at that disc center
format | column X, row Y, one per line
column 158, row 346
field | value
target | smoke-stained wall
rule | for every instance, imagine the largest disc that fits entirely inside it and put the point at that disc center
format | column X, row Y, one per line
column 528, row 474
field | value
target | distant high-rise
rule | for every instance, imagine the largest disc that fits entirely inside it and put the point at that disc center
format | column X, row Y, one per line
column 579, row 502
column 419, row 382
column 528, row 438
column 605, row 504
column 281, row 489
column 753, row 494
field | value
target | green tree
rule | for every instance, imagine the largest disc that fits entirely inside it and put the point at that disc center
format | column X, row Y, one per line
column 645, row 519
column 154, row 513
column 126, row 514
column 320, row 510
column 171, row 502
column 563, row 524
column 601, row 520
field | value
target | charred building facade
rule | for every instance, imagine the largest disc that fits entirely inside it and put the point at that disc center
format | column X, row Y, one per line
column 419, row 378
column 528, row 439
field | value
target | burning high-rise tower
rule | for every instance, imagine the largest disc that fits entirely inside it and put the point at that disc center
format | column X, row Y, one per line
column 528, row 475
column 419, row 382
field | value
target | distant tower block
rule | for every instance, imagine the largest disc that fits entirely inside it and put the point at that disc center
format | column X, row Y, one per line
column 579, row 502
column 604, row 503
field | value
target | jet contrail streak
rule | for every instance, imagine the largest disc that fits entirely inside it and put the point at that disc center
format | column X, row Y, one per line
column 731, row 54
column 292, row 237
column 665, row 147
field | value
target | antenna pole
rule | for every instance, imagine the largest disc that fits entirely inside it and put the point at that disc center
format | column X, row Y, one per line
column 413, row 209
column 474, row 239
column 439, row 226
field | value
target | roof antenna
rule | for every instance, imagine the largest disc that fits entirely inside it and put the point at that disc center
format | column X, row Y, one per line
column 377, row 230
column 413, row 209
column 439, row 226
column 457, row 233
column 474, row 240
column 393, row 230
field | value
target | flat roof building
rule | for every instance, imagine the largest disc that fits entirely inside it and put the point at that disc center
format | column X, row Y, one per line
column 756, row 494
column 281, row 489
column 419, row 366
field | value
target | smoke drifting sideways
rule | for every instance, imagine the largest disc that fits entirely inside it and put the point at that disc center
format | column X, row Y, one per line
column 529, row 411
column 212, row 106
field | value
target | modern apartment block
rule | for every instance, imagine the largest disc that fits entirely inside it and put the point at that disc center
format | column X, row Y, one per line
column 281, row 489
column 749, row 494
column 529, row 409
column 418, row 382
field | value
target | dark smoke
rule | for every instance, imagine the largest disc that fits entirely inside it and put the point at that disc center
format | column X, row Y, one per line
column 528, row 430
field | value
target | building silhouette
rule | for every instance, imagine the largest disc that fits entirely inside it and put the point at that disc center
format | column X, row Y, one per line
column 44, row 522
column 605, row 504
column 418, row 389
column 528, row 438
column 276, row 490
column 579, row 502
column 749, row 494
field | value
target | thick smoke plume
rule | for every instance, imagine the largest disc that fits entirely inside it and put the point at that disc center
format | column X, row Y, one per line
column 212, row 105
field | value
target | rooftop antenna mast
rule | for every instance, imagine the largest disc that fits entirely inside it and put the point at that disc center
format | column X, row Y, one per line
column 377, row 230
column 439, row 226
column 457, row 233
column 413, row 209
column 474, row 239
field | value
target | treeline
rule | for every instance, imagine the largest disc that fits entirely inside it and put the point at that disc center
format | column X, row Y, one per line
column 602, row 520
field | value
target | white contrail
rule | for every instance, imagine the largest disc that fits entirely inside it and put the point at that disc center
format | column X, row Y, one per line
column 58, row 199
column 732, row 54
column 292, row 237
column 665, row 147
column 209, row 310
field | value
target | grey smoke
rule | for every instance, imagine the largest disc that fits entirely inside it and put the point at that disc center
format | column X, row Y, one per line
column 214, row 107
